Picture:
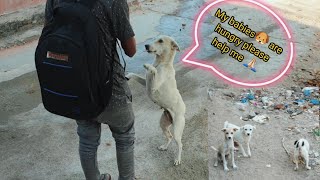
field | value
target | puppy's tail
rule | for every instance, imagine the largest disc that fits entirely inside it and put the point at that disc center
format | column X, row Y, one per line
column 226, row 124
column 214, row 148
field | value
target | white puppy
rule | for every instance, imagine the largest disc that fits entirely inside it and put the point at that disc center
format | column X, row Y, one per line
column 226, row 148
column 162, row 89
column 301, row 150
column 242, row 136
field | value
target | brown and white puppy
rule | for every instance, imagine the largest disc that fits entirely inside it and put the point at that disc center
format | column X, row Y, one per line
column 301, row 150
column 262, row 37
column 242, row 136
column 226, row 149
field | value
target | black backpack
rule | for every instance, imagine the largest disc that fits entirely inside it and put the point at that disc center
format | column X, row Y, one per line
column 74, row 75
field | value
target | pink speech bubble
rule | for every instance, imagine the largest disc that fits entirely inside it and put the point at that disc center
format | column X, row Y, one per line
column 186, row 58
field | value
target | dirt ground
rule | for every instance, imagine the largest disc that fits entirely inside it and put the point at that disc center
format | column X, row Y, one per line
column 35, row 144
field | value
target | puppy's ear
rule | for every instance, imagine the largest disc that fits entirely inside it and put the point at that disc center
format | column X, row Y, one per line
column 175, row 46
column 258, row 33
column 267, row 40
column 295, row 142
column 224, row 130
column 235, row 129
column 302, row 143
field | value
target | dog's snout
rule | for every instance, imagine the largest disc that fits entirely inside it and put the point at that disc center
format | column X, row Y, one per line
column 229, row 137
column 248, row 134
column 147, row 46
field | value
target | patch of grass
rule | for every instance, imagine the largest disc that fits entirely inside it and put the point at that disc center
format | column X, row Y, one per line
column 316, row 132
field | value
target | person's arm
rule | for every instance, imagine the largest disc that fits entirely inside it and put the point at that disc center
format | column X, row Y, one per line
column 122, row 27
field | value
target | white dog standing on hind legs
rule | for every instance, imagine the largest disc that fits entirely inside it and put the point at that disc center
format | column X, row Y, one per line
column 226, row 149
column 162, row 89
column 301, row 149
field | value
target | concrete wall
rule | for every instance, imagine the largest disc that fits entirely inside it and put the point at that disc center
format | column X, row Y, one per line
column 7, row 6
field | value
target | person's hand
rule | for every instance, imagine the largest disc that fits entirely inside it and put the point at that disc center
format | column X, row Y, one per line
column 129, row 47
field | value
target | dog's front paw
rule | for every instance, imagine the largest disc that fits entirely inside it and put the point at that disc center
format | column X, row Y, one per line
column 308, row 167
column 226, row 169
column 177, row 162
column 296, row 168
column 249, row 155
column 235, row 167
column 130, row 76
column 162, row 148
column 147, row 66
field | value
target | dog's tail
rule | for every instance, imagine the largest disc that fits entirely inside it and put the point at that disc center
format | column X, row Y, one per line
column 226, row 124
column 214, row 148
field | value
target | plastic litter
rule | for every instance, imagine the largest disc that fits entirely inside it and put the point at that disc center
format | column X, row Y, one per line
column 250, row 96
column 307, row 93
column 311, row 89
column 315, row 101
column 300, row 102
column 261, row 119
column 244, row 100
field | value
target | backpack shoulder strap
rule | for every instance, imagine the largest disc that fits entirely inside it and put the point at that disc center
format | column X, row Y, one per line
column 87, row 3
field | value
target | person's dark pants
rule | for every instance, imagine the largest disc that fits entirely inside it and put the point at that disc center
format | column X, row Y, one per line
column 120, row 119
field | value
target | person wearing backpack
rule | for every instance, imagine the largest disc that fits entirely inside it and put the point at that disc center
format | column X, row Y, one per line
column 81, row 76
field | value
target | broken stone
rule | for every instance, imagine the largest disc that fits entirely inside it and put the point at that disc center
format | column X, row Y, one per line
column 296, row 130
column 210, row 94
column 251, row 114
column 296, row 113
column 244, row 118
column 231, row 94
column 265, row 101
column 288, row 93
column 258, row 92
column 279, row 106
column 296, row 89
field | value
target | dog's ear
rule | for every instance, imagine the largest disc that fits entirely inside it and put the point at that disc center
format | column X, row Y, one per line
column 295, row 142
column 258, row 33
column 224, row 130
column 235, row 129
column 175, row 46
column 302, row 143
column 267, row 40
